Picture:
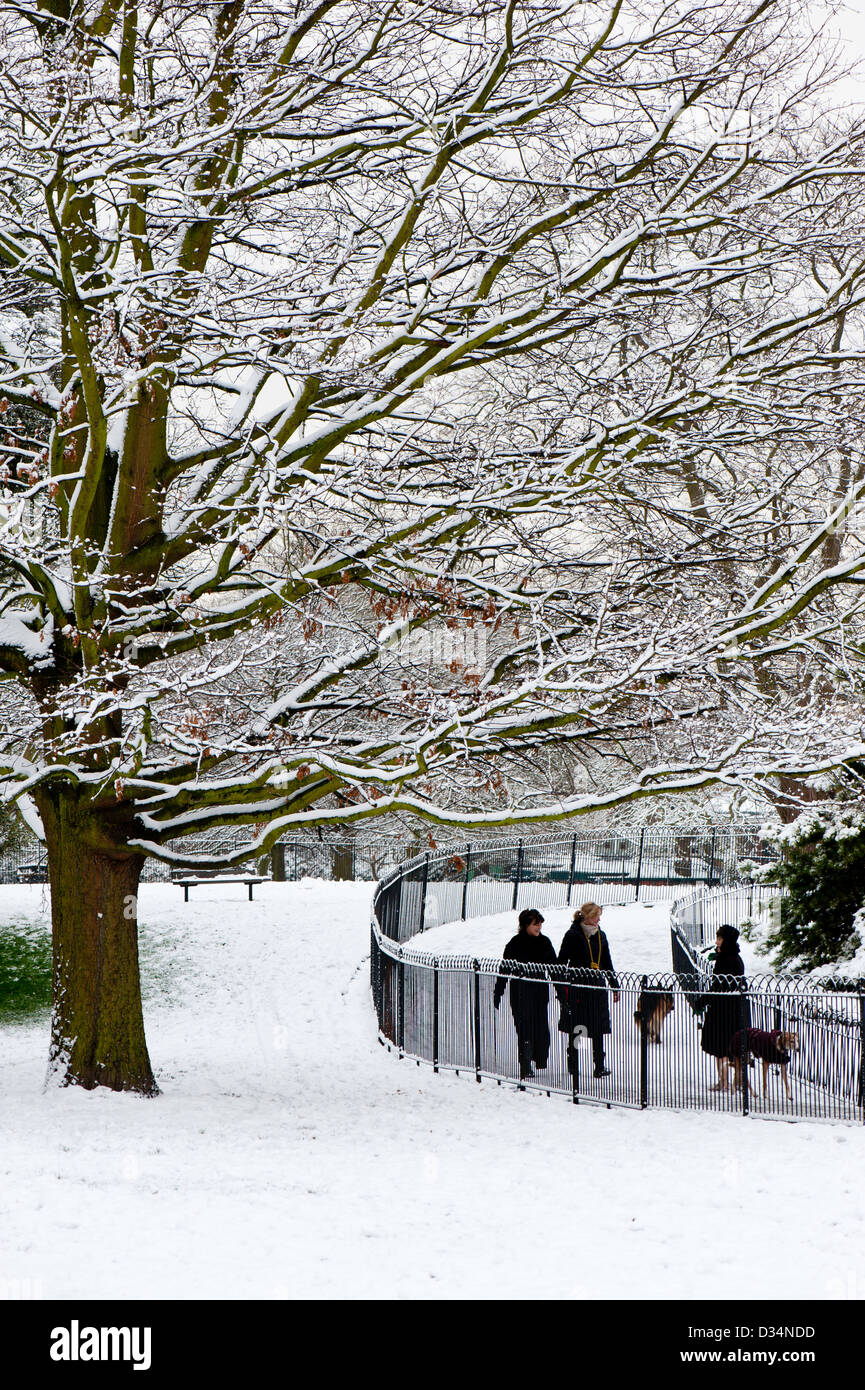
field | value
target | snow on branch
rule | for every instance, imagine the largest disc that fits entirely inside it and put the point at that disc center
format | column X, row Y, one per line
column 453, row 410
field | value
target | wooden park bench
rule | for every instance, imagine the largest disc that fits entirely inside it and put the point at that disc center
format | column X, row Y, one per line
column 185, row 880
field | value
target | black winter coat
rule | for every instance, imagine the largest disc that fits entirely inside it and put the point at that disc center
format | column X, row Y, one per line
column 727, row 1011
column 586, row 1004
column 529, row 996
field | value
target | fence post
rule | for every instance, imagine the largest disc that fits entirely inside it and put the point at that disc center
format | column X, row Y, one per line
column 518, row 875
column 375, row 969
column 435, row 1014
column 398, row 935
column 476, row 967
column 400, row 1005
column 712, row 859
column 862, row 1050
column 639, row 864
column 644, row 1046
column 466, row 880
column 423, row 891
column 574, row 1060
column 744, row 1052
column 571, row 870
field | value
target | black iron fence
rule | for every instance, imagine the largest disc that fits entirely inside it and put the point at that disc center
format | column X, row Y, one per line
column 644, row 861
column 440, row 1009
column 478, row 879
column 827, row 1023
column 697, row 917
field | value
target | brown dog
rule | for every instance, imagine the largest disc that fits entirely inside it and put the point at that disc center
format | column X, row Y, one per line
column 773, row 1049
column 654, row 1007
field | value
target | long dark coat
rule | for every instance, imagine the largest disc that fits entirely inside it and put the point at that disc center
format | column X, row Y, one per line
column 586, row 1004
column 530, row 997
column 727, row 1011
column 526, row 995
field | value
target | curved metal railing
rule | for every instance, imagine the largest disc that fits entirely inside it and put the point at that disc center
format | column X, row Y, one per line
column 439, row 1008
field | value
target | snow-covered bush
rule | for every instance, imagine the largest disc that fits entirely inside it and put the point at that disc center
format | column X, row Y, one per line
column 819, row 924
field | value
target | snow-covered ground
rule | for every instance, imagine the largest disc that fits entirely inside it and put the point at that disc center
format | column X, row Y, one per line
column 291, row 1156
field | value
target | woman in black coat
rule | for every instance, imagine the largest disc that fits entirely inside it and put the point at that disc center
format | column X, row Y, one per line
column 529, row 997
column 728, row 1011
column 585, row 949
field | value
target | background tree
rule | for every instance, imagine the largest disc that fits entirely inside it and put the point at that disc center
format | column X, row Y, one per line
column 360, row 319
column 818, row 922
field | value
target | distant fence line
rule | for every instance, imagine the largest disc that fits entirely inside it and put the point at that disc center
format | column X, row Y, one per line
column 438, row 1008
column 288, row 860
column 637, row 859
column 488, row 878
column 696, row 918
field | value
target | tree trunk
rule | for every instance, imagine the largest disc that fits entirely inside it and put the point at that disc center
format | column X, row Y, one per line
column 792, row 792
column 97, row 1023
column 342, row 862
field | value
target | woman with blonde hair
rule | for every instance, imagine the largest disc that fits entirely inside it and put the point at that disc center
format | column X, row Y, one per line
column 585, row 949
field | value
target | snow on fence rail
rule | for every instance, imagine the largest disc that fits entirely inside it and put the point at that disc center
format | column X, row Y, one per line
column 440, row 1009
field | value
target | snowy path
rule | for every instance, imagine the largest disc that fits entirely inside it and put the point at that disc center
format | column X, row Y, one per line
column 291, row 1156
column 639, row 936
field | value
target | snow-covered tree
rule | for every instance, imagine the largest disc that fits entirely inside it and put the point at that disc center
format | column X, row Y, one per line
column 341, row 321
column 818, row 923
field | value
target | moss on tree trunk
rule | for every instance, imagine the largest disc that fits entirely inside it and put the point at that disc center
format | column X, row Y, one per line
column 97, row 1023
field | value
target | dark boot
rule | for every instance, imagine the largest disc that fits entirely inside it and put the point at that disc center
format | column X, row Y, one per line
column 601, row 1069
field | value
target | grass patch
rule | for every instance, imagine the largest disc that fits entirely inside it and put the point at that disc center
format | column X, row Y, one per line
column 25, row 972
column 164, row 962
column 25, row 968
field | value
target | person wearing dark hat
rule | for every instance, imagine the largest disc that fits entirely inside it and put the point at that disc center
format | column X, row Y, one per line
column 529, row 996
column 728, row 1011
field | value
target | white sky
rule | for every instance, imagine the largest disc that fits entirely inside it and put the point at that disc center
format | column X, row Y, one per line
column 849, row 24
